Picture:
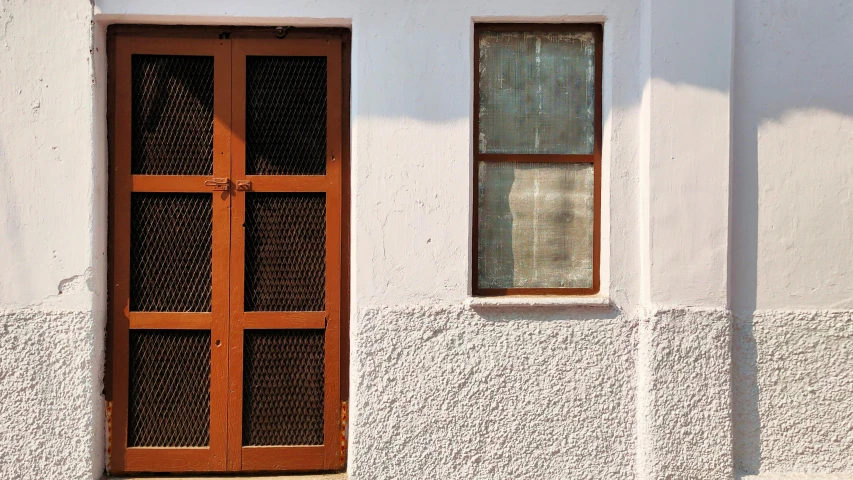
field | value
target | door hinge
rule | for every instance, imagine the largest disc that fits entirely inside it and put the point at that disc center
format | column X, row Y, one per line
column 108, row 410
column 344, row 421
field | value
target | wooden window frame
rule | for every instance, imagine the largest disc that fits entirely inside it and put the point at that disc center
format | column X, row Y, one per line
column 594, row 158
column 222, row 43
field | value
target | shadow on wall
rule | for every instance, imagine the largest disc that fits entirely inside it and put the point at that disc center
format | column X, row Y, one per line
column 10, row 220
column 790, row 56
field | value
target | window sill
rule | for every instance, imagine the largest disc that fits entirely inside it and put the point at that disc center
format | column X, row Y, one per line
column 534, row 301
column 279, row 476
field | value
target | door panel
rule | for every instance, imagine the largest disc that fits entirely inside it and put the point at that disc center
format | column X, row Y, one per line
column 286, row 253
column 172, row 114
column 286, row 115
column 283, row 387
column 171, row 244
column 170, row 234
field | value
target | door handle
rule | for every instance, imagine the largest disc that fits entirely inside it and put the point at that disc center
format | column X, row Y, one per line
column 244, row 185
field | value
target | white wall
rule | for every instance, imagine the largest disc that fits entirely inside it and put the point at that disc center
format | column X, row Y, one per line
column 52, row 196
column 792, row 231
column 727, row 180
column 793, row 150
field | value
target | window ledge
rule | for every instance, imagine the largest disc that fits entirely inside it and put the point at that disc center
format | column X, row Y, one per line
column 281, row 476
column 538, row 301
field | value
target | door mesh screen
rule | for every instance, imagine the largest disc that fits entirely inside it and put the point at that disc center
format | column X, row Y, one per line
column 285, row 252
column 286, row 115
column 169, row 404
column 172, row 118
column 283, row 387
column 171, row 239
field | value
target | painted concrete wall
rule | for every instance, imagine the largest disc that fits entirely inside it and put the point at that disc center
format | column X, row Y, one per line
column 727, row 180
column 792, row 226
column 52, row 198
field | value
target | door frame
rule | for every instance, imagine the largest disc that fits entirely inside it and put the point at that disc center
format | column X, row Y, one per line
column 170, row 39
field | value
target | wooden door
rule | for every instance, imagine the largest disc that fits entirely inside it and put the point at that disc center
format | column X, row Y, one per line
column 225, row 253
column 286, row 255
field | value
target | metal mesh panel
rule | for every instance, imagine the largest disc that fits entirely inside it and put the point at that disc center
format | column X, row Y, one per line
column 171, row 239
column 172, row 115
column 283, row 386
column 286, row 115
column 285, row 252
column 169, row 404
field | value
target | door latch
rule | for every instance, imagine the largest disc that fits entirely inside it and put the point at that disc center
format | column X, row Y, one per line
column 218, row 184
column 244, row 185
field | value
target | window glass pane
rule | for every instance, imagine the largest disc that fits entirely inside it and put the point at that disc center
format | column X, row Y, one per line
column 537, row 92
column 535, row 225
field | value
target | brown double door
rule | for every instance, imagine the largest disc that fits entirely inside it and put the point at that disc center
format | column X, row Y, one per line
column 226, row 199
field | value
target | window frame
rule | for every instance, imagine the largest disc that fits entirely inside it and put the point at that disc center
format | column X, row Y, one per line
column 594, row 158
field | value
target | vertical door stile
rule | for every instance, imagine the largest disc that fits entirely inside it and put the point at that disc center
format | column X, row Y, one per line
column 334, row 160
column 221, row 254
column 120, row 223
column 238, row 236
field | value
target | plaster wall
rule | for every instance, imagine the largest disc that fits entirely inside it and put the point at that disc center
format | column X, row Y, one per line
column 664, row 383
column 792, row 182
column 412, row 146
column 52, row 243
column 791, row 260
column 687, row 171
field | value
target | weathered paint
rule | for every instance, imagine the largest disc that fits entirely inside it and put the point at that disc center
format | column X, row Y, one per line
column 727, row 183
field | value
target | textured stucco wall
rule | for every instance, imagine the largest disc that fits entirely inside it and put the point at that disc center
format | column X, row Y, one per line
column 683, row 413
column 458, row 393
column 50, row 395
column 793, row 387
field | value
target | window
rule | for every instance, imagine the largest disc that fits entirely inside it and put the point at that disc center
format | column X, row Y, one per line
column 537, row 159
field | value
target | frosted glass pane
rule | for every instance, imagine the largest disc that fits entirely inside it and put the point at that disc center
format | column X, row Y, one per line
column 537, row 92
column 535, row 225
